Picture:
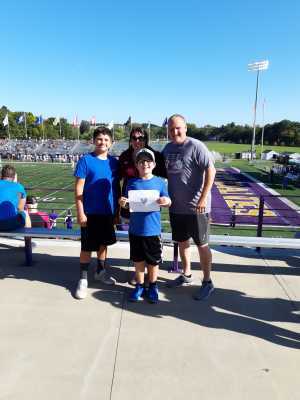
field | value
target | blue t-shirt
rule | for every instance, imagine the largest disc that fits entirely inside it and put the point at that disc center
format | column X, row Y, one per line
column 146, row 223
column 10, row 194
column 101, row 187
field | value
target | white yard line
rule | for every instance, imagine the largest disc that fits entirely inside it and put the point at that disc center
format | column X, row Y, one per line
column 50, row 194
column 42, row 183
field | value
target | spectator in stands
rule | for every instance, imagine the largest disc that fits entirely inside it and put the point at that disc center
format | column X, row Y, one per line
column 191, row 175
column 97, row 190
column 69, row 220
column 39, row 219
column 12, row 201
column 52, row 219
column 285, row 182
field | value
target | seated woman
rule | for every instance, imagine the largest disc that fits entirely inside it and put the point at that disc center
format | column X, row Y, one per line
column 39, row 219
column 12, row 201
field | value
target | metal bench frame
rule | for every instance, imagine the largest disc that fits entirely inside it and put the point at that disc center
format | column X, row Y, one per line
column 215, row 240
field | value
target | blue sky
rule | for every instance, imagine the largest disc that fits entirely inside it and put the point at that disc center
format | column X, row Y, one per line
column 148, row 59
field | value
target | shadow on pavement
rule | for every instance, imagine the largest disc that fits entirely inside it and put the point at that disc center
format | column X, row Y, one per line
column 226, row 309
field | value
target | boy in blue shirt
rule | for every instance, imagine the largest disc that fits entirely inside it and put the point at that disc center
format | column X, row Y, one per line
column 97, row 190
column 12, row 201
column 145, row 226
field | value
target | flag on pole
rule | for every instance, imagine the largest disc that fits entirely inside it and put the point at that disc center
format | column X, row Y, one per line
column 20, row 119
column 128, row 122
column 110, row 125
column 93, row 120
column 165, row 123
column 56, row 121
column 5, row 121
column 75, row 121
column 38, row 120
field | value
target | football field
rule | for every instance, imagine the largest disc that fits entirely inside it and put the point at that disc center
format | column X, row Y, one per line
column 233, row 189
column 53, row 186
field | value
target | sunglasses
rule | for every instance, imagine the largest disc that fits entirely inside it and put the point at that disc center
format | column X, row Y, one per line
column 136, row 138
column 144, row 160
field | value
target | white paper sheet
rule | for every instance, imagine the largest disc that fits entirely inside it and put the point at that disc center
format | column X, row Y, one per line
column 143, row 200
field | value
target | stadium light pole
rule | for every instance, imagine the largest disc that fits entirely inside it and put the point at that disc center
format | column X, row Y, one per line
column 256, row 66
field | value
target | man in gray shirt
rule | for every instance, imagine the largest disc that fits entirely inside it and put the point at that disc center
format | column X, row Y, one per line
column 191, row 174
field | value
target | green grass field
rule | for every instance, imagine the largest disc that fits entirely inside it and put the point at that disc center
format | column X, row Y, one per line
column 53, row 184
column 231, row 148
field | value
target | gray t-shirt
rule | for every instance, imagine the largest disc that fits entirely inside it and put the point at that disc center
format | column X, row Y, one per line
column 186, row 164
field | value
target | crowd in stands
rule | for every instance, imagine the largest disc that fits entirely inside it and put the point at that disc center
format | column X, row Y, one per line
column 32, row 150
column 61, row 151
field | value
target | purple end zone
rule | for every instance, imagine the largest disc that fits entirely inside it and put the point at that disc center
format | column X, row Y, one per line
column 233, row 188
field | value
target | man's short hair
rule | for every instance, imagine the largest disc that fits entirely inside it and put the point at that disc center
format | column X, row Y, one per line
column 8, row 171
column 102, row 130
column 177, row 116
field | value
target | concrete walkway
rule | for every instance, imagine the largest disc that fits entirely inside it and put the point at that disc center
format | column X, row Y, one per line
column 243, row 343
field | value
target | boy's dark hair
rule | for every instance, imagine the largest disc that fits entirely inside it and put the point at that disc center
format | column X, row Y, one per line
column 8, row 171
column 102, row 130
column 142, row 132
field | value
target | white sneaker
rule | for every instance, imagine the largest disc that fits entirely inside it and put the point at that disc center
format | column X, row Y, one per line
column 104, row 277
column 81, row 290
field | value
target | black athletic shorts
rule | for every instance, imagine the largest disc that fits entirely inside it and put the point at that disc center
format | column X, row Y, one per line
column 99, row 231
column 186, row 226
column 145, row 248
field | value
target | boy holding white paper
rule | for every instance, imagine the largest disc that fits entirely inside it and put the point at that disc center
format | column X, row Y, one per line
column 145, row 195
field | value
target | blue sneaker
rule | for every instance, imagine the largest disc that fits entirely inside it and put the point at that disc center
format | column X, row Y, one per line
column 152, row 294
column 137, row 293
column 205, row 291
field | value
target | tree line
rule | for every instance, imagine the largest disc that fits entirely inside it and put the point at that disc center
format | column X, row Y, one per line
column 283, row 133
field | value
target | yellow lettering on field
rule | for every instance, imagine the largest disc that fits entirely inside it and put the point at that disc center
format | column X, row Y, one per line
column 269, row 213
column 254, row 213
column 242, row 204
column 247, row 212
column 232, row 189
column 249, row 208
column 242, row 198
